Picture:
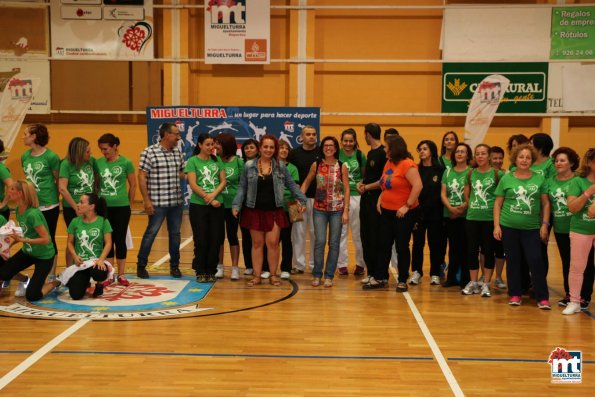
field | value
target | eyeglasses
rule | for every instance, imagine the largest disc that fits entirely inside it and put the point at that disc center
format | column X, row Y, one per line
column 174, row 133
column 329, row 146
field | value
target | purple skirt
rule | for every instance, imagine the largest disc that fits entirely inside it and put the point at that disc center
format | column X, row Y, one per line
column 263, row 220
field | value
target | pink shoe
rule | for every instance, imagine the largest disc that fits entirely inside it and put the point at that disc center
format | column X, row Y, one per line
column 343, row 271
column 122, row 280
column 107, row 282
column 515, row 301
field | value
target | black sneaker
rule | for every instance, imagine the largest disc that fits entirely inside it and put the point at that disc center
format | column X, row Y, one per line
column 402, row 287
column 564, row 302
column 141, row 272
column 376, row 285
column 98, row 290
column 175, row 272
column 211, row 278
column 201, row 278
column 585, row 304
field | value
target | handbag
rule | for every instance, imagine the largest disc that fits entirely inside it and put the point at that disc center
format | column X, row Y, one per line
column 295, row 215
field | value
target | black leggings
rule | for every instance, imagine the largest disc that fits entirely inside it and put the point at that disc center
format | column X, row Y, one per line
column 207, row 224
column 435, row 231
column 286, row 248
column 480, row 234
column 396, row 231
column 119, row 218
column 69, row 214
column 51, row 217
column 231, row 228
column 21, row 261
column 78, row 283
column 457, row 244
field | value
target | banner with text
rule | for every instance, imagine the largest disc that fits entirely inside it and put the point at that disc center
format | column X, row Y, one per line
column 102, row 29
column 237, row 31
column 244, row 122
column 573, row 33
column 483, row 107
column 526, row 92
column 16, row 92
column 40, row 103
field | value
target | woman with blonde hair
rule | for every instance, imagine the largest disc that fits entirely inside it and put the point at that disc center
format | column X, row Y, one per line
column 37, row 246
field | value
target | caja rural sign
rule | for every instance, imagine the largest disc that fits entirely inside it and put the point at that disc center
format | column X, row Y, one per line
column 526, row 93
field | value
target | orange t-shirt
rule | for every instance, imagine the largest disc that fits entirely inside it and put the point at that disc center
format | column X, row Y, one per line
column 395, row 186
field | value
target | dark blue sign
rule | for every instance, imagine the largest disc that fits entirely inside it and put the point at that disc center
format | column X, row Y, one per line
column 285, row 123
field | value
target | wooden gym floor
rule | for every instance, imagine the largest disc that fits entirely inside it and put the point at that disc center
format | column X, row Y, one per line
column 296, row 340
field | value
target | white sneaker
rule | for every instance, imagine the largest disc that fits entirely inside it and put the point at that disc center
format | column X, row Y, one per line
column 248, row 272
column 235, row 273
column 285, row 275
column 415, row 277
column 480, row 282
column 366, row 279
column 435, row 280
column 219, row 273
column 22, row 289
column 471, row 288
column 485, row 291
column 572, row 308
column 265, row 275
column 500, row 283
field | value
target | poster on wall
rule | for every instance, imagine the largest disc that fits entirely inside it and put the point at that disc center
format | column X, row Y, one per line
column 573, row 33
column 40, row 101
column 237, row 31
column 244, row 122
column 24, row 32
column 102, row 29
column 526, row 92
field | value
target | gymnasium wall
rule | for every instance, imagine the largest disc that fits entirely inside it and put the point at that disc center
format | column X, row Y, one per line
column 335, row 87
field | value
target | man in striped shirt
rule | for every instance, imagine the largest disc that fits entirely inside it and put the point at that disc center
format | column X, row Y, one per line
column 160, row 170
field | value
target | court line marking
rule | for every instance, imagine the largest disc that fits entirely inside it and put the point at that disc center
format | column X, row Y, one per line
column 45, row 349
column 450, row 378
column 156, row 265
column 244, row 355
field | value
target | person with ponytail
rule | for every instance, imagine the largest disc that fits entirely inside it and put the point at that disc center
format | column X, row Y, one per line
column 115, row 172
column 89, row 243
column 37, row 246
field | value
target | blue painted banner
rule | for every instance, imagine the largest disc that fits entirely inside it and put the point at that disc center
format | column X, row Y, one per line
column 244, row 122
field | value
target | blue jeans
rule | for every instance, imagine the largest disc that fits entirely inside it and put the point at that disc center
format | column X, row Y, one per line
column 321, row 219
column 174, row 221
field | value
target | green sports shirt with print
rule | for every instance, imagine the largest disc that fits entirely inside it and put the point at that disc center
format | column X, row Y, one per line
column 89, row 238
column 39, row 170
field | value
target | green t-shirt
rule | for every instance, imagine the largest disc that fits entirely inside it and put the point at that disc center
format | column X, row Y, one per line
column 558, row 194
column 113, row 176
column 89, row 238
column 80, row 181
column 287, row 195
column 482, row 195
column 522, row 201
column 39, row 170
column 455, row 182
column 28, row 221
column 4, row 174
column 580, row 221
column 446, row 161
column 354, row 167
column 207, row 177
column 233, row 170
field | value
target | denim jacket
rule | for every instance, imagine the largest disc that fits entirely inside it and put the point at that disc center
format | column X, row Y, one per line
column 249, row 181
